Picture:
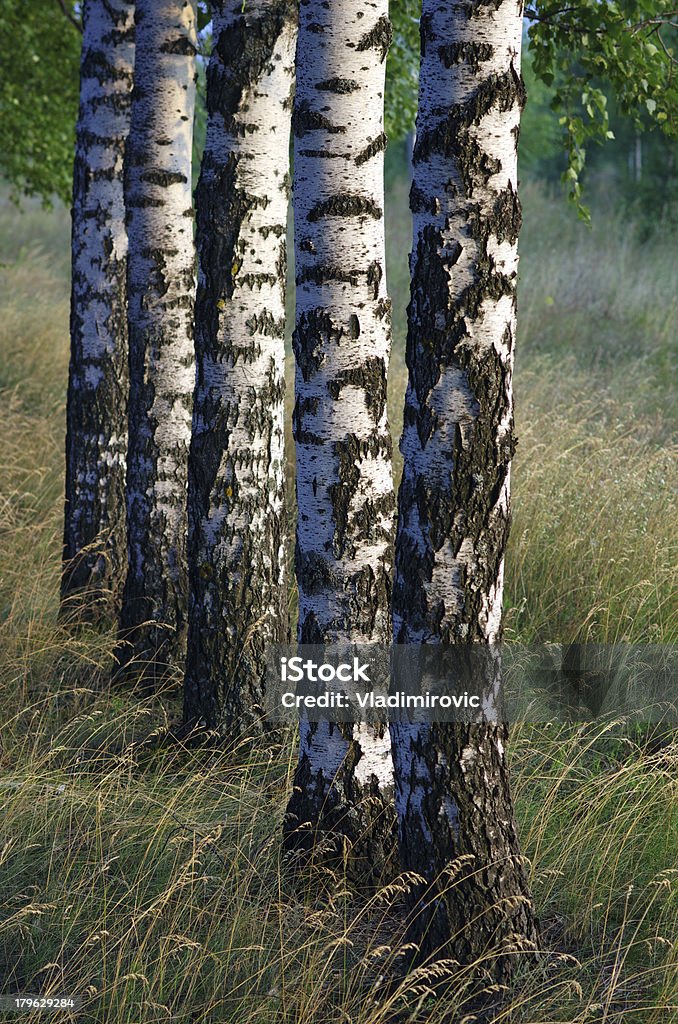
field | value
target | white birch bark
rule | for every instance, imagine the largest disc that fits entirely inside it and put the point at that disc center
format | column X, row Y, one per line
column 452, row 791
column 96, row 442
column 161, row 283
column 238, row 585
column 342, row 343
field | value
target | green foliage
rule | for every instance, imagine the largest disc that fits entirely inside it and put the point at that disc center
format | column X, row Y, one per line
column 39, row 60
column 643, row 167
column 639, row 166
column 598, row 50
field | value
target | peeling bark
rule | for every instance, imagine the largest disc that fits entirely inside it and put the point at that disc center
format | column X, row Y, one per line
column 453, row 800
column 161, row 283
column 340, row 806
column 236, row 507
column 96, row 440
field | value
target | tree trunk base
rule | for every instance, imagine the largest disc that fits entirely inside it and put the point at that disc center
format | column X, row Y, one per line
column 332, row 826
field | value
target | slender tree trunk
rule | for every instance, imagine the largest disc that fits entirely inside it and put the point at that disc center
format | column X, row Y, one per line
column 452, row 789
column 236, row 506
column 96, row 440
column 342, row 343
column 638, row 158
column 160, row 282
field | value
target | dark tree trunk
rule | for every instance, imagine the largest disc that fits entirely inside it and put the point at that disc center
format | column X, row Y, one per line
column 160, row 283
column 96, row 440
column 236, row 508
column 452, row 791
column 343, row 783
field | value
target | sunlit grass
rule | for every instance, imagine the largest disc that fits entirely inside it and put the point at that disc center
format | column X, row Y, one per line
column 150, row 882
column 593, row 549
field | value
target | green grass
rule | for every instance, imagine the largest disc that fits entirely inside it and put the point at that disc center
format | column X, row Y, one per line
column 148, row 880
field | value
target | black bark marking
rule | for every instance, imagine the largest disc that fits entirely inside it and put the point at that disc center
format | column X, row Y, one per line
column 467, row 52
column 326, row 272
column 303, row 435
column 158, row 176
column 337, row 85
column 310, row 339
column 345, row 204
column 378, row 38
column 370, row 376
column 245, row 49
column 305, row 120
column 349, row 451
column 317, row 572
column 451, row 137
column 476, row 8
column 265, row 323
column 181, row 46
column 257, row 280
column 375, row 273
column 377, row 146
column 323, row 154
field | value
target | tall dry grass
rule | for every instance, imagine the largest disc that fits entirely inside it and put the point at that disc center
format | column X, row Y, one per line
column 150, row 885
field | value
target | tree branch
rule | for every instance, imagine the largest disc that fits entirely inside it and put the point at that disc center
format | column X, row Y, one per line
column 533, row 14
column 666, row 20
column 69, row 14
column 663, row 45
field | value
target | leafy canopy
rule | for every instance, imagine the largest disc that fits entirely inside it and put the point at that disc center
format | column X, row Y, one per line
column 589, row 54
column 596, row 51
column 39, row 83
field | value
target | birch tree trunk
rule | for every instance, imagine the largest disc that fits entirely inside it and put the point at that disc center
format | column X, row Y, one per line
column 453, row 800
column 96, row 440
column 342, row 341
column 160, row 282
column 236, row 507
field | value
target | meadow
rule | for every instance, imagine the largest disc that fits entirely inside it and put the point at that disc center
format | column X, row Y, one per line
column 146, row 878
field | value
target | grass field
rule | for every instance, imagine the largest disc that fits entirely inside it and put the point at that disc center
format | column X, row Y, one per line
column 148, row 881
